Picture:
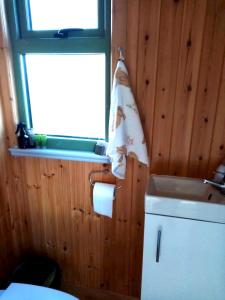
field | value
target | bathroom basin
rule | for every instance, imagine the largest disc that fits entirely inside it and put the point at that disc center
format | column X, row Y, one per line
column 185, row 198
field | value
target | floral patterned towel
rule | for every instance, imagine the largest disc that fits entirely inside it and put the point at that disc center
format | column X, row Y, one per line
column 126, row 136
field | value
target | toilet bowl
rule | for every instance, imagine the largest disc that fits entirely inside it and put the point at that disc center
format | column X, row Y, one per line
column 18, row 291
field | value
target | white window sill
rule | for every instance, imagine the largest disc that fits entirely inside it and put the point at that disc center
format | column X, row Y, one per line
column 60, row 154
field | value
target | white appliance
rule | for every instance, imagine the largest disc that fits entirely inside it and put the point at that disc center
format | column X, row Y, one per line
column 184, row 241
column 19, row 291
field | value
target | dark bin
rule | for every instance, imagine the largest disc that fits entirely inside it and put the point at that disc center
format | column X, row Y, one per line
column 37, row 270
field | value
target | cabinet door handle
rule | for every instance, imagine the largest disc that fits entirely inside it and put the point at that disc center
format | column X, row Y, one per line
column 158, row 245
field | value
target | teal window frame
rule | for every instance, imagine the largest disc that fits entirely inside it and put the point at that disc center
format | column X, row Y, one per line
column 25, row 41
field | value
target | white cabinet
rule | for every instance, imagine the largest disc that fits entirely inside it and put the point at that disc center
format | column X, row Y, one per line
column 190, row 263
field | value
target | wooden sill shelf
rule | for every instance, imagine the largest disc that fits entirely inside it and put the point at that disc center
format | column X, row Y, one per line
column 60, row 154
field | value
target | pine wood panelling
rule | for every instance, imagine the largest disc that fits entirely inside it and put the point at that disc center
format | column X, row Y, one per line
column 93, row 294
column 139, row 172
column 217, row 152
column 7, row 253
column 6, row 242
column 167, row 66
column 208, row 88
column 147, row 58
column 174, row 52
column 186, row 87
column 128, row 40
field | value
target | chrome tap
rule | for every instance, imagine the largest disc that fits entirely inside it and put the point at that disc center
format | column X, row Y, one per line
column 216, row 184
column 219, row 178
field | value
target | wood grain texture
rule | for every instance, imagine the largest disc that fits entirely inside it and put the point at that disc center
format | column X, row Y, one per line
column 186, row 86
column 6, row 241
column 208, row 88
column 7, row 249
column 167, row 67
column 174, row 52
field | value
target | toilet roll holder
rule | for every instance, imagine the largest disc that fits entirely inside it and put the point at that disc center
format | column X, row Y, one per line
column 105, row 171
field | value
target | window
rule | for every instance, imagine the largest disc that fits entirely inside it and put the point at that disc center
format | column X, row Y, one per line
column 61, row 55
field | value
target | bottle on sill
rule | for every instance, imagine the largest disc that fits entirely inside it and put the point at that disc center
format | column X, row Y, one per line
column 100, row 148
column 24, row 138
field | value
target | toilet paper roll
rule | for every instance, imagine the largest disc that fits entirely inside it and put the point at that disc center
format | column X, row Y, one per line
column 103, row 196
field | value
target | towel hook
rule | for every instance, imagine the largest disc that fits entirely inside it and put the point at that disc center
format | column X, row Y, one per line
column 121, row 51
column 105, row 171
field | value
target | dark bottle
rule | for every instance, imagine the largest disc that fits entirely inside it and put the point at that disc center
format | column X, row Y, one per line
column 23, row 137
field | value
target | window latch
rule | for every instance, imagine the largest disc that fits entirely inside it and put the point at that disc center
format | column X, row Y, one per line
column 63, row 33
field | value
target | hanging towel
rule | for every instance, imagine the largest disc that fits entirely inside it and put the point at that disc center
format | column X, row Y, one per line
column 126, row 136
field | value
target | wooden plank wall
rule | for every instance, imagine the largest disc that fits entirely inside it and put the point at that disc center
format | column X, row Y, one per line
column 174, row 51
column 6, row 242
column 7, row 257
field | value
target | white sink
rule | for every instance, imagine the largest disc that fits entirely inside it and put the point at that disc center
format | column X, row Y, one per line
column 185, row 198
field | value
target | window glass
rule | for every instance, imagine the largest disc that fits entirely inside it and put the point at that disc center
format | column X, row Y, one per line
column 58, row 14
column 67, row 94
